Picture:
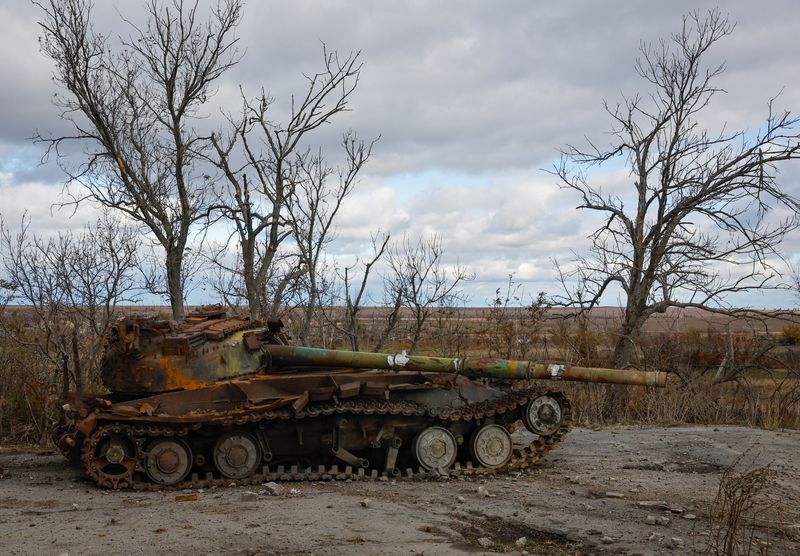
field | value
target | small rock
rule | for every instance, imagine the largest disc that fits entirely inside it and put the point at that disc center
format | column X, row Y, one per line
column 295, row 492
column 689, row 516
column 273, row 489
column 484, row 492
column 653, row 504
column 606, row 540
column 365, row 503
column 614, row 495
column 485, row 542
column 461, row 499
column 522, row 541
column 657, row 520
column 587, row 507
column 676, row 542
column 249, row 496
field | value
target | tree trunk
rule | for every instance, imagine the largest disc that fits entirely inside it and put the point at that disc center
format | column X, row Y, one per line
column 254, row 296
column 174, row 267
column 625, row 347
column 76, row 362
column 64, row 368
column 624, row 351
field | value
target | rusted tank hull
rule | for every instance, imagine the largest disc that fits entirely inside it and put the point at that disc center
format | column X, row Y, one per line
column 367, row 421
column 215, row 400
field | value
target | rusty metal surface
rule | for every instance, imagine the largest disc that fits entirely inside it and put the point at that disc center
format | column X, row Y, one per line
column 145, row 355
column 220, row 395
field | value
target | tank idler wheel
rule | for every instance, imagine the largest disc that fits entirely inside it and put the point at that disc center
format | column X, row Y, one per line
column 110, row 456
column 542, row 416
column 435, row 448
column 168, row 461
column 490, row 446
column 237, row 454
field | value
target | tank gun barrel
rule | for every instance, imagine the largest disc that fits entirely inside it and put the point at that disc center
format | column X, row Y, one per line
column 472, row 367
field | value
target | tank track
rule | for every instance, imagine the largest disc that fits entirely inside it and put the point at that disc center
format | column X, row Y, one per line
column 521, row 458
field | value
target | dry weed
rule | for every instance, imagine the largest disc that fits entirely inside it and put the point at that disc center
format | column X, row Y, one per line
column 744, row 511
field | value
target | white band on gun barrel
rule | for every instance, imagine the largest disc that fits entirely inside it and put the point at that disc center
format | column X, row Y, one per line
column 556, row 371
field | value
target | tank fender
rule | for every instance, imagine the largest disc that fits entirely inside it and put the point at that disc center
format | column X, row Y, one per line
column 87, row 425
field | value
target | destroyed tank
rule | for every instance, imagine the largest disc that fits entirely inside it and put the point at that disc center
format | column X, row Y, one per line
column 215, row 400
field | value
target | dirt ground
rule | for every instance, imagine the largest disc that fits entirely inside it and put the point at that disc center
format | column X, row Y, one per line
column 584, row 498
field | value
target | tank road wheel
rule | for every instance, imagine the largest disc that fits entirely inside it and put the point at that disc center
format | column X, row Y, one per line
column 491, row 446
column 543, row 415
column 168, row 461
column 110, row 456
column 237, row 454
column 435, row 448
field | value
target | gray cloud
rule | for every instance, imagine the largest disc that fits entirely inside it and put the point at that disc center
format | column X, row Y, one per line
column 479, row 90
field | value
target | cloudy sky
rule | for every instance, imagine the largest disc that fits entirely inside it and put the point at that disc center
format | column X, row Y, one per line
column 472, row 101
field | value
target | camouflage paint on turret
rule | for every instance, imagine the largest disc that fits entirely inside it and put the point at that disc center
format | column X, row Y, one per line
column 472, row 367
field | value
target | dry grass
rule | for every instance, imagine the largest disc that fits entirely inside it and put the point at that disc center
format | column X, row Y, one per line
column 759, row 387
column 747, row 512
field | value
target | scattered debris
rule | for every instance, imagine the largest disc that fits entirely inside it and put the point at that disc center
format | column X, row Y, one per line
column 614, row 495
column 249, row 496
column 676, row 542
column 657, row 520
column 485, row 542
column 653, row 504
column 273, row 489
column 522, row 541
column 185, row 497
column 484, row 492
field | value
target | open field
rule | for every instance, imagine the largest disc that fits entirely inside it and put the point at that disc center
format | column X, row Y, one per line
column 582, row 499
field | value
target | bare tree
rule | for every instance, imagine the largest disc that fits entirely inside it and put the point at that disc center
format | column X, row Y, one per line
column 423, row 283
column 262, row 162
column 132, row 106
column 312, row 213
column 701, row 219
column 354, row 283
column 514, row 330
column 72, row 283
column 393, row 296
